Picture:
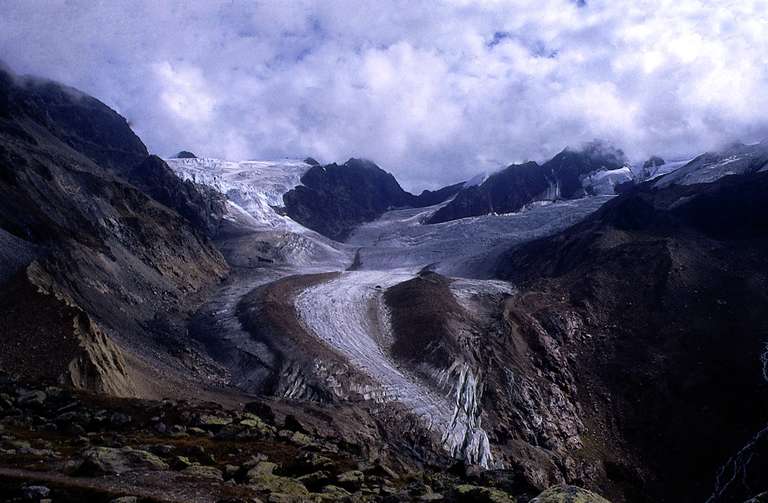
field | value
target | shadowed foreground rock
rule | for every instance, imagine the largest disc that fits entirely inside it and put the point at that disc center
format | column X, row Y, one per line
column 72, row 447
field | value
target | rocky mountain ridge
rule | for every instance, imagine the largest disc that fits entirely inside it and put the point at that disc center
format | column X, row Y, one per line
column 595, row 168
column 334, row 199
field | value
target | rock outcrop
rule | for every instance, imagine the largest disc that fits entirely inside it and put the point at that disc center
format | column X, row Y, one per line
column 201, row 205
column 573, row 173
column 656, row 303
column 334, row 199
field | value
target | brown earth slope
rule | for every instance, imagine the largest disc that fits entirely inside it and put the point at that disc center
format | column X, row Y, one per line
column 660, row 301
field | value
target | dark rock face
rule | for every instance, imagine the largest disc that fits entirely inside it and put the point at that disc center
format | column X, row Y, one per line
column 108, row 257
column 424, row 314
column 334, row 199
column 79, row 121
column 663, row 293
column 503, row 192
column 653, row 162
column 520, row 184
column 201, row 205
column 505, row 372
column 569, row 166
column 184, row 154
column 432, row 197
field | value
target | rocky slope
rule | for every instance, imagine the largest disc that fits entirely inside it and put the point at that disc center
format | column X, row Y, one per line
column 736, row 159
column 200, row 204
column 104, row 262
column 73, row 447
column 658, row 300
column 594, row 169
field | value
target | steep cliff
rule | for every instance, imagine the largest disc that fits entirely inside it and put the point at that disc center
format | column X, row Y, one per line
column 660, row 298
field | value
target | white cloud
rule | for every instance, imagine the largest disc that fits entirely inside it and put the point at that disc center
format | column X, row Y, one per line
column 434, row 92
column 184, row 93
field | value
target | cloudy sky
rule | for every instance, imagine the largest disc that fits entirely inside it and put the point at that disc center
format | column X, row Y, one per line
column 433, row 91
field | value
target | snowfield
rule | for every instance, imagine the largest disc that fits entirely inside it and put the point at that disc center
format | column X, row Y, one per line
column 466, row 247
column 605, row 182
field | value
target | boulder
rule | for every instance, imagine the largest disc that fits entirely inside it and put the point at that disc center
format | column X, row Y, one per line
column 315, row 479
column 467, row 492
column 261, row 468
column 351, row 480
column 205, row 472
column 261, row 410
column 35, row 493
column 125, row 499
column 333, row 493
column 279, row 485
column 301, row 439
column 35, row 398
column 309, row 462
column 108, row 461
column 568, row 494
column 211, row 421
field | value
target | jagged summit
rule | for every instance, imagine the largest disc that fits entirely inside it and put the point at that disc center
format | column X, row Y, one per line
column 334, row 199
column 595, row 168
column 600, row 152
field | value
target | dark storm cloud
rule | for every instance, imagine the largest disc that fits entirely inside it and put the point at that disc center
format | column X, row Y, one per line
column 434, row 92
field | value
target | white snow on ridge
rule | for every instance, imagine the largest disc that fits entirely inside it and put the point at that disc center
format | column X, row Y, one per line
column 604, row 182
column 668, row 168
column 708, row 173
column 254, row 186
column 738, row 159
column 476, row 180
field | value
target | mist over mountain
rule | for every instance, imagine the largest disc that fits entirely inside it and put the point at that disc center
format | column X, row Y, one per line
column 435, row 95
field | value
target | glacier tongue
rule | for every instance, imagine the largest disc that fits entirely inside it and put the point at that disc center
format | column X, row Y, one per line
column 348, row 314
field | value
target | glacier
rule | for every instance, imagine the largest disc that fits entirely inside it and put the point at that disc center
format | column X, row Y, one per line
column 348, row 312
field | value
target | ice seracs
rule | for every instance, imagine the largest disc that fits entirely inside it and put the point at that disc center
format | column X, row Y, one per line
column 255, row 186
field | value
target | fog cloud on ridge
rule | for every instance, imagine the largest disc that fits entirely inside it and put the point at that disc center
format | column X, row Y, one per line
column 434, row 92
